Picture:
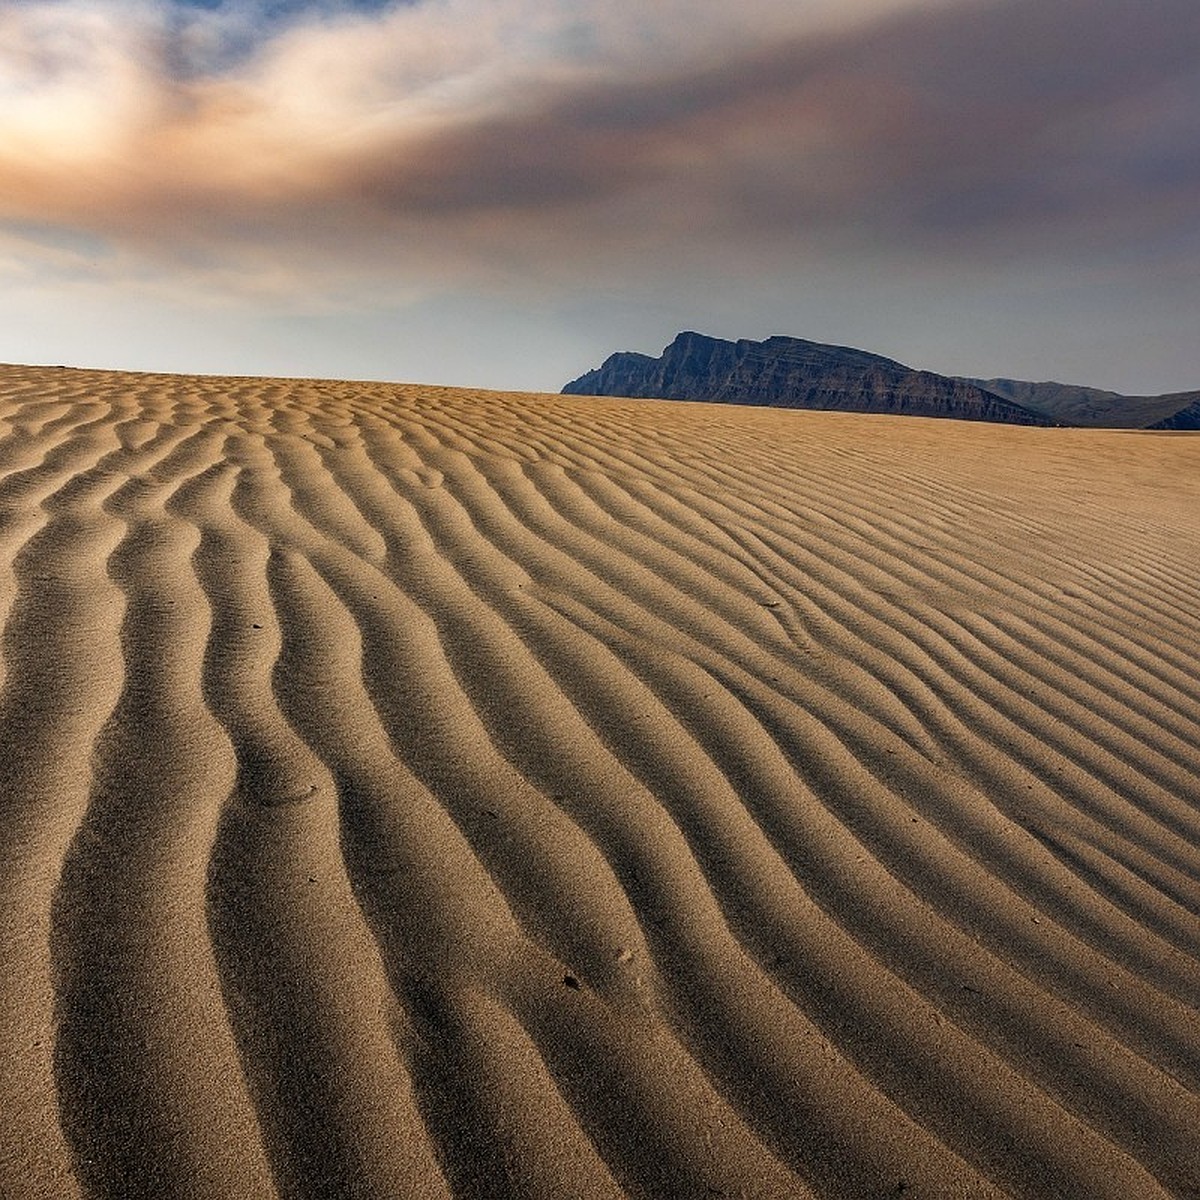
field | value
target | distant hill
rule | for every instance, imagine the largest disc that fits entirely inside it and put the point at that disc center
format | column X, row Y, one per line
column 786, row 372
column 1069, row 404
column 1186, row 418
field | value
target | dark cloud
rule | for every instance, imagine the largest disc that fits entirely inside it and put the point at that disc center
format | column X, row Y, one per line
column 1015, row 120
column 985, row 120
column 990, row 128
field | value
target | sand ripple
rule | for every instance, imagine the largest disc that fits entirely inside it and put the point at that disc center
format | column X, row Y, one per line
column 415, row 792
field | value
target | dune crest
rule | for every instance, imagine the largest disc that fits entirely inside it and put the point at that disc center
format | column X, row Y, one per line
column 419, row 792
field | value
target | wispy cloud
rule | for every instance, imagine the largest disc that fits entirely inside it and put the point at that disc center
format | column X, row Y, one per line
column 165, row 124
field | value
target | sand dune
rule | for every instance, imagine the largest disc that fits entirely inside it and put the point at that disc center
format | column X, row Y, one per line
column 411, row 792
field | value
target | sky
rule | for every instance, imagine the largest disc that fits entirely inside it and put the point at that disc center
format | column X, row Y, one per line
column 500, row 193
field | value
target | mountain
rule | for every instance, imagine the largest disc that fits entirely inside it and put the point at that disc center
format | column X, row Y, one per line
column 1069, row 404
column 785, row 372
column 1185, row 418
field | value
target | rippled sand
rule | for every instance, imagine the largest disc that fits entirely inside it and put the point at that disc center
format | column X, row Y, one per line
column 411, row 792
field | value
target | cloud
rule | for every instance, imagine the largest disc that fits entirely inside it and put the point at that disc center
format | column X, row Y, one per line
column 457, row 140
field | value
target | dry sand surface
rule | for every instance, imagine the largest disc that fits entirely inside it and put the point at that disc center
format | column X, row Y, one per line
column 411, row 792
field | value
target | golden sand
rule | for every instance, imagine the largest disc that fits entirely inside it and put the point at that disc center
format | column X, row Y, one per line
column 411, row 792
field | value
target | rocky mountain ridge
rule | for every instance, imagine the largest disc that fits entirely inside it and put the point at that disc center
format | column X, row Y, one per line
column 791, row 372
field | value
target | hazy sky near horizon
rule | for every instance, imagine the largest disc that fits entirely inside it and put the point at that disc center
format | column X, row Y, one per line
column 501, row 192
